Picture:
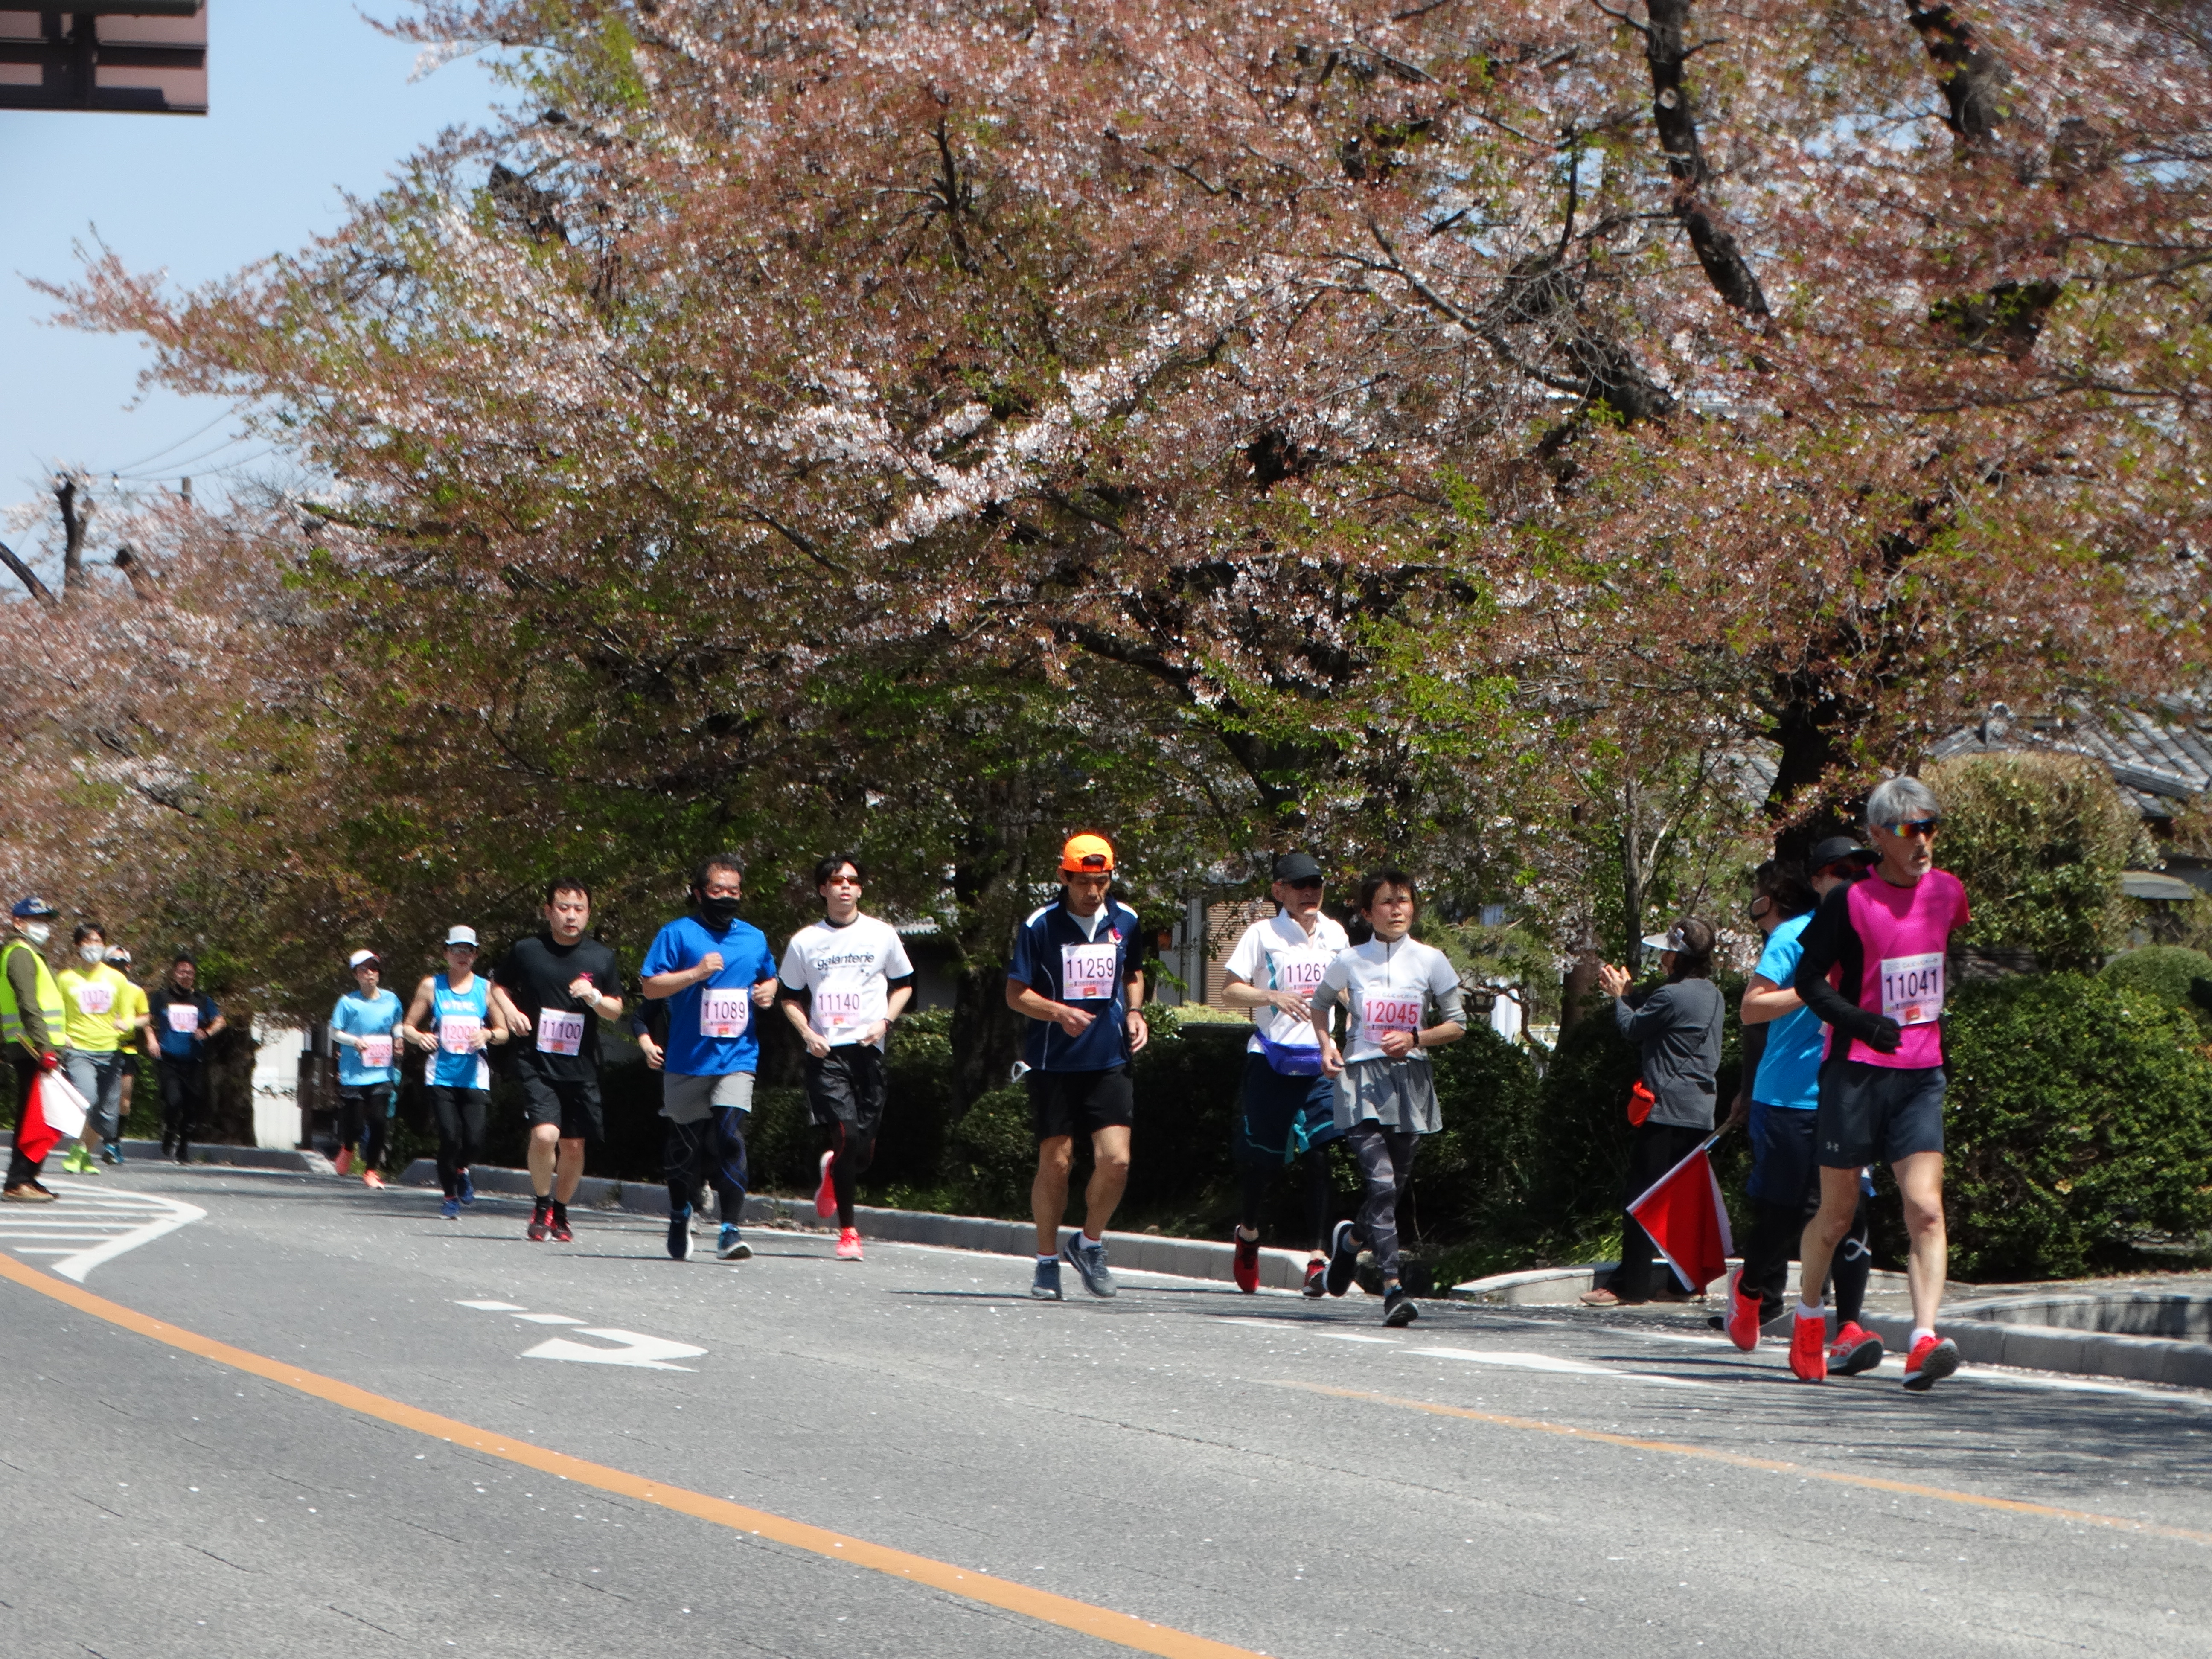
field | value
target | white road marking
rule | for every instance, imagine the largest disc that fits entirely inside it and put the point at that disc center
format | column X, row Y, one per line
column 1543, row 1362
column 547, row 1319
column 649, row 1353
column 492, row 1307
column 103, row 1222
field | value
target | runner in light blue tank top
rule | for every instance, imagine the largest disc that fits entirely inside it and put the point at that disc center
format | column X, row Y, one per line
column 454, row 1027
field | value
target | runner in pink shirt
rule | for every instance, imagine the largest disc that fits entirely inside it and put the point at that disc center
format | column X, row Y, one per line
column 1885, row 940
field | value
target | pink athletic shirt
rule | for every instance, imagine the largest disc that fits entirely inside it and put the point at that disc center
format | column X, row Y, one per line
column 1905, row 932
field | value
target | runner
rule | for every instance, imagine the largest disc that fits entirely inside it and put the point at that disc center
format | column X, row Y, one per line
column 130, row 1014
column 182, row 1022
column 713, row 970
column 1386, row 1092
column 559, row 985
column 96, row 1000
column 31, row 1017
column 1882, row 1087
column 1289, row 1105
column 468, row 1021
column 1783, row 1041
column 845, row 979
column 1075, row 975
column 364, row 1026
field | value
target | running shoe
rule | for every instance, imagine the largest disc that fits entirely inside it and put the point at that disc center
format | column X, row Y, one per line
column 1398, row 1309
column 468, row 1189
column 450, row 1209
column 561, row 1233
column 344, row 1162
column 1745, row 1306
column 732, row 1246
column 1855, row 1349
column 373, row 1181
column 679, row 1234
column 1045, row 1288
column 1933, row 1358
column 1246, row 1268
column 541, row 1220
column 825, row 1195
column 112, row 1153
column 1089, row 1261
column 77, row 1160
column 27, row 1194
column 1316, row 1279
column 1343, row 1260
column 1809, row 1348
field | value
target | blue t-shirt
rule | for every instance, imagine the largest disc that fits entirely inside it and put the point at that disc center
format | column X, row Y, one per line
column 454, row 1014
column 360, row 1016
column 1790, row 1070
column 175, row 1044
column 1057, row 959
column 711, row 1024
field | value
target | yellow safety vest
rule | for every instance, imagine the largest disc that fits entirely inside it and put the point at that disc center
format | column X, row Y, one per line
column 99, row 1001
column 50, row 999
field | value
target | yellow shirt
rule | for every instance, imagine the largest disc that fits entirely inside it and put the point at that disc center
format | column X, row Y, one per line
column 97, row 1003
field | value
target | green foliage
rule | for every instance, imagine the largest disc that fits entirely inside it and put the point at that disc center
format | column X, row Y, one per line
column 992, row 1153
column 2165, row 972
column 2040, row 841
column 2080, row 1117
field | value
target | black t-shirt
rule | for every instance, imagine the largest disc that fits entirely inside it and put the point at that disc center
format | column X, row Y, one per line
column 535, row 976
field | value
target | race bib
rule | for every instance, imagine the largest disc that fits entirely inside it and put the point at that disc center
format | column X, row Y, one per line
column 724, row 1014
column 94, row 996
column 457, row 1033
column 376, row 1052
column 836, row 1011
column 560, row 1033
column 1912, row 989
column 1300, row 973
column 184, row 1018
column 1389, row 1011
column 1086, row 972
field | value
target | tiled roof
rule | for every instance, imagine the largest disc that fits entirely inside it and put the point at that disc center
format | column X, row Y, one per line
column 2160, row 754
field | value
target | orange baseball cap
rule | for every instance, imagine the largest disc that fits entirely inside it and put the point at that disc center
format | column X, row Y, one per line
column 1086, row 853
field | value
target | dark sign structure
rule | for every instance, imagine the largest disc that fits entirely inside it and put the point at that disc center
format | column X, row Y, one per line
column 145, row 56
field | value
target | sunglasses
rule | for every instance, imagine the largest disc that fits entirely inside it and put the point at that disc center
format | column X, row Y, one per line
column 1924, row 828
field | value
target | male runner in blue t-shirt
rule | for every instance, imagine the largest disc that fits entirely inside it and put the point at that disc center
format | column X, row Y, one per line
column 713, row 970
column 1075, row 974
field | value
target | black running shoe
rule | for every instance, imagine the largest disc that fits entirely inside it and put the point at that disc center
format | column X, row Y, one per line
column 1343, row 1260
column 541, row 1219
column 1398, row 1309
column 561, row 1233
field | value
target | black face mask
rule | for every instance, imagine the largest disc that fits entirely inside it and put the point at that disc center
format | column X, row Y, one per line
column 718, row 912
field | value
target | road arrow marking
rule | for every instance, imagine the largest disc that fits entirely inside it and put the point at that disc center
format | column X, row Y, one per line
column 649, row 1353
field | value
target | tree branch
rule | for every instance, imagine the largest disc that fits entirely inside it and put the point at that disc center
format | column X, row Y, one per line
column 29, row 577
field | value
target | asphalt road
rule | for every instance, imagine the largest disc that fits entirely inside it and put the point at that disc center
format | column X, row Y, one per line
column 1276, row 1475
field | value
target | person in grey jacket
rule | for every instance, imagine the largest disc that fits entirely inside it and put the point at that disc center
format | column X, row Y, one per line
column 1678, row 1027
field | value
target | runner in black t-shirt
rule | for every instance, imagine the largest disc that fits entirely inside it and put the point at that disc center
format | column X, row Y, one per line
column 557, row 986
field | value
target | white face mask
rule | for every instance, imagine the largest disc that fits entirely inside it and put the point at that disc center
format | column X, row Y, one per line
column 94, row 954
column 37, row 931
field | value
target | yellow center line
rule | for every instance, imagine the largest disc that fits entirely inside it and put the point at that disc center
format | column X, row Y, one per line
column 1769, row 1464
column 1120, row 1628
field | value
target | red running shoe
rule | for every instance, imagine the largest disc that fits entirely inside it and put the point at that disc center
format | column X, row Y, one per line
column 541, row 1220
column 1855, row 1349
column 1316, row 1279
column 562, row 1234
column 1246, row 1269
column 1933, row 1359
column 1809, row 1349
column 344, row 1162
column 825, row 1195
column 1743, row 1320
column 849, row 1244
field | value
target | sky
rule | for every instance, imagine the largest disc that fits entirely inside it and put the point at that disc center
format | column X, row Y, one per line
column 307, row 101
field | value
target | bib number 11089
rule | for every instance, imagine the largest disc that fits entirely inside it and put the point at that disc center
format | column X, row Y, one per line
column 723, row 1014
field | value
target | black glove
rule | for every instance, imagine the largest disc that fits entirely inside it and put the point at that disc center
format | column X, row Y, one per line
column 1878, row 1031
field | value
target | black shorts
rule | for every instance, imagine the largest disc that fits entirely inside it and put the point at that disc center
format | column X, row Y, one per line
column 1080, row 1103
column 1282, row 1115
column 1878, row 1113
column 846, row 1086
column 573, row 1106
column 1784, row 1168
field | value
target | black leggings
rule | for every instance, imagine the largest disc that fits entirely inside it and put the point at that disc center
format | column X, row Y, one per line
column 363, row 1112
column 21, row 1172
column 712, row 1150
column 1386, row 1166
column 461, row 1114
column 1320, row 1195
column 851, row 1162
column 1776, row 1231
column 183, row 1092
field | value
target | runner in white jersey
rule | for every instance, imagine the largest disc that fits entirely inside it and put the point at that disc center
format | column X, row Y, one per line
column 1289, row 1102
column 844, row 980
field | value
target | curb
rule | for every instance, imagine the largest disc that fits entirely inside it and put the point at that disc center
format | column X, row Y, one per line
column 1552, row 1287
column 2053, row 1348
column 236, row 1158
column 1152, row 1253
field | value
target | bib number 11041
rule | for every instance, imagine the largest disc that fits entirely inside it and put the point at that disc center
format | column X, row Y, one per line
column 1912, row 989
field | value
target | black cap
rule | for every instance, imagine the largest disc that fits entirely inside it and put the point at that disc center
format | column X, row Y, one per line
column 1296, row 867
column 1836, row 850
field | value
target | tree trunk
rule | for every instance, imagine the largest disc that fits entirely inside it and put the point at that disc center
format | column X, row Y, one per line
column 73, row 526
column 1631, row 878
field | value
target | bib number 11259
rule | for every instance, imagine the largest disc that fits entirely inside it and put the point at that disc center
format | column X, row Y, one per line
column 1086, row 972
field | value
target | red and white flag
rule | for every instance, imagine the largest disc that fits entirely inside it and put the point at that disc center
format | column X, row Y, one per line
column 39, row 1130
column 1687, row 1222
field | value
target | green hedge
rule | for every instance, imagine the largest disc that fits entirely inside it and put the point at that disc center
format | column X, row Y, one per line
column 2164, row 971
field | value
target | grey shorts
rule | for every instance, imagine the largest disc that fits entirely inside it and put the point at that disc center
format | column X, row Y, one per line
column 686, row 1099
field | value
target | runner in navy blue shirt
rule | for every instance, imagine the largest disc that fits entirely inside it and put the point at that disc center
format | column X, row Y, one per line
column 1075, row 974
column 714, row 971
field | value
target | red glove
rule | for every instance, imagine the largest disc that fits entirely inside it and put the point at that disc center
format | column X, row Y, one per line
column 50, row 1062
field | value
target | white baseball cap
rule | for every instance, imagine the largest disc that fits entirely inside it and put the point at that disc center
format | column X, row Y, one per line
column 458, row 935
column 361, row 958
